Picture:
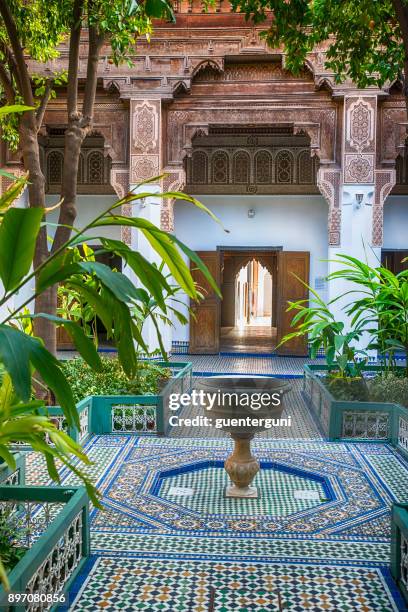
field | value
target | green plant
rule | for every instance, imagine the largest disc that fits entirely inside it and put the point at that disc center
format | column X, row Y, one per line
column 315, row 320
column 24, row 358
column 12, row 536
column 147, row 308
column 112, row 379
column 389, row 387
column 36, row 29
column 380, row 303
column 71, row 305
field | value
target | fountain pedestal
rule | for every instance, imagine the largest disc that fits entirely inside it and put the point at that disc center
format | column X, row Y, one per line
column 237, row 413
column 242, row 467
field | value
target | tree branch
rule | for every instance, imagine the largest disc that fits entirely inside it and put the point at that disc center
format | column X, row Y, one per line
column 24, row 77
column 43, row 104
column 13, row 68
column 6, row 82
column 96, row 41
column 73, row 61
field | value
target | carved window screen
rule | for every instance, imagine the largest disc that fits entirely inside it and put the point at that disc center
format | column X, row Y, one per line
column 54, row 167
column 95, row 168
column 200, row 168
column 241, row 168
column 263, row 167
column 306, row 168
column 219, row 167
column 284, row 167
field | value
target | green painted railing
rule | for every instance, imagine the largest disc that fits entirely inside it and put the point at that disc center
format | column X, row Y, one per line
column 399, row 547
column 141, row 414
column 144, row 414
column 56, row 534
column 352, row 420
column 9, row 476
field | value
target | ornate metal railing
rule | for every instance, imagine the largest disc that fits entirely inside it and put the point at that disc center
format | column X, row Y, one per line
column 11, row 476
column 52, row 524
column 366, row 425
column 354, row 420
column 141, row 414
column 133, row 418
column 402, row 435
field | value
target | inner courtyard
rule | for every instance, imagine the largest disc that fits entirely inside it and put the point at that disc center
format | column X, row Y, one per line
column 228, row 192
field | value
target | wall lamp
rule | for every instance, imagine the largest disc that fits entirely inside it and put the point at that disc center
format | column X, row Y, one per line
column 359, row 200
column 251, row 213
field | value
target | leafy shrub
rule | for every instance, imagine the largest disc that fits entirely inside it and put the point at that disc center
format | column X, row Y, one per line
column 12, row 533
column 113, row 380
column 348, row 389
column 389, row 387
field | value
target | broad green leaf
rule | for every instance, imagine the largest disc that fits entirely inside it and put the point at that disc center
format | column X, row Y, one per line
column 14, row 108
column 118, row 283
column 148, row 274
column 12, row 193
column 84, row 345
column 15, row 355
column 49, row 369
column 6, row 395
column 18, row 234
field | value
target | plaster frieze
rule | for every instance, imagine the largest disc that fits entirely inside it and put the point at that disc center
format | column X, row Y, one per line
column 384, row 182
column 329, row 181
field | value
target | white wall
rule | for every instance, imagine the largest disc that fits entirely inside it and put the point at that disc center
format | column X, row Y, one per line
column 88, row 207
column 396, row 222
column 296, row 223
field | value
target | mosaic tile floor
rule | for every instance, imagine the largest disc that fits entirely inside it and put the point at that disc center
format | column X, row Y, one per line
column 244, row 364
column 154, row 552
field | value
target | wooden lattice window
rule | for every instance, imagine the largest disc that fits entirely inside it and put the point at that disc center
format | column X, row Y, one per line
column 263, row 165
column 55, row 161
column 95, row 168
column 241, row 168
column 284, row 167
column 199, row 168
column 306, row 168
column 219, row 167
column 81, row 164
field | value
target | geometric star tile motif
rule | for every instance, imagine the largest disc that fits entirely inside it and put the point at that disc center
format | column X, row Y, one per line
column 155, row 553
column 134, row 489
column 119, row 584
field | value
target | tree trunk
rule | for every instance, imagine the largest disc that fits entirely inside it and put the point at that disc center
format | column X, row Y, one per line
column 36, row 193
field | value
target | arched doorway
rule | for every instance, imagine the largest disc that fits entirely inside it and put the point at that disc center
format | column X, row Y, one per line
column 247, row 306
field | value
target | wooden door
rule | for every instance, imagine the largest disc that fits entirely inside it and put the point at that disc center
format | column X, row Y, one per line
column 205, row 326
column 291, row 263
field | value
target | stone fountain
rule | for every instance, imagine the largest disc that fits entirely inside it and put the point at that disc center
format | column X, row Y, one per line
column 242, row 421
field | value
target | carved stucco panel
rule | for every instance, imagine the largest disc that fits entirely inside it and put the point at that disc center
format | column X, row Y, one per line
column 384, row 182
column 143, row 167
column 145, row 126
column 174, row 181
column 359, row 168
column 360, row 139
column 393, row 132
column 328, row 181
column 360, row 124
